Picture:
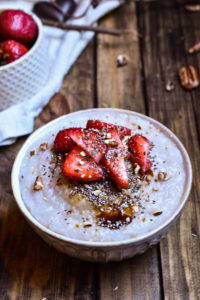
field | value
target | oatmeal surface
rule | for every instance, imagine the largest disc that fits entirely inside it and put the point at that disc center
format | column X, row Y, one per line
column 99, row 211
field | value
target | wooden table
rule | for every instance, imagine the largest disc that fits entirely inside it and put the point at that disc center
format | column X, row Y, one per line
column 30, row 269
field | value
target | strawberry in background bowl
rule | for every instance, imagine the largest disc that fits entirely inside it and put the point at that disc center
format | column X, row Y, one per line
column 18, row 33
column 11, row 51
column 23, row 56
column 18, row 25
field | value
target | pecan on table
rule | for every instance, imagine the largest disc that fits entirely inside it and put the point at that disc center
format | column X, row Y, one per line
column 188, row 77
column 194, row 48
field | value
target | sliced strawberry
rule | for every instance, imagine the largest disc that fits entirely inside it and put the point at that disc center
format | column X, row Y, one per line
column 139, row 147
column 63, row 142
column 140, row 160
column 89, row 140
column 96, row 124
column 114, row 161
column 80, row 166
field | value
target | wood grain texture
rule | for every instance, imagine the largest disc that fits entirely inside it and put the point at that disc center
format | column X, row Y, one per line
column 123, row 87
column 165, row 27
column 120, row 87
column 79, row 85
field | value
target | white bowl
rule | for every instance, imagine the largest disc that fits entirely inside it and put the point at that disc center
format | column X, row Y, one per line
column 23, row 78
column 100, row 251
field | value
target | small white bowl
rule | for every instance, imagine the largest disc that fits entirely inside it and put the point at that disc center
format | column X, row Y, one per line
column 23, row 78
column 100, row 251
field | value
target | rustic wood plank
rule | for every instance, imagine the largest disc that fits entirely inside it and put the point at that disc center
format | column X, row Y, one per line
column 191, row 37
column 79, row 85
column 29, row 268
column 57, row 106
column 137, row 278
column 120, row 87
column 165, row 27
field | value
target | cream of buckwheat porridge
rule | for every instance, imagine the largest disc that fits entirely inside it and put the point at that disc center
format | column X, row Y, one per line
column 99, row 210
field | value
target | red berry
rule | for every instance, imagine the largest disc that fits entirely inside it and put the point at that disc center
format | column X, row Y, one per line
column 139, row 147
column 12, row 50
column 90, row 141
column 114, row 161
column 81, row 168
column 63, row 141
column 17, row 25
column 96, row 124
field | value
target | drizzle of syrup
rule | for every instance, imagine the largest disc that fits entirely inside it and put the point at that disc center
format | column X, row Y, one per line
column 113, row 219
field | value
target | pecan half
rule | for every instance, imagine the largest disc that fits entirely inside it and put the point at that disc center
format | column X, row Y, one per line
column 188, row 77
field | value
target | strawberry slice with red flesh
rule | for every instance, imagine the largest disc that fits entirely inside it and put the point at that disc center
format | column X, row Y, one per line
column 81, row 168
column 63, row 141
column 90, row 141
column 114, row 161
column 139, row 147
column 96, row 124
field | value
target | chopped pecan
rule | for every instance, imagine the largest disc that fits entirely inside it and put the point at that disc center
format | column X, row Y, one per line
column 122, row 60
column 87, row 186
column 163, row 176
column 136, row 168
column 82, row 153
column 157, row 213
column 193, row 7
column 194, row 48
column 86, row 224
column 38, row 185
column 188, row 77
column 148, row 178
column 96, row 192
column 108, row 135
column 32, row 152
column 111, row 142
column 43, row 146
column 169, row 86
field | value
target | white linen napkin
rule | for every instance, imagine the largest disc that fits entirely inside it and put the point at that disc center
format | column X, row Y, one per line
column 64, row 48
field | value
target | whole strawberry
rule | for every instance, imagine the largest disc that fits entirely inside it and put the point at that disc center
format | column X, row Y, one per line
column 17, row 25
column 11, row 51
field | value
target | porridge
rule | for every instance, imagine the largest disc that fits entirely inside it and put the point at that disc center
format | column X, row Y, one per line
column 100, row 186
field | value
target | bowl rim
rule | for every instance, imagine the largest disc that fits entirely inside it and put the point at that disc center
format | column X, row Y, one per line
column 18, row 198
column 35, row 45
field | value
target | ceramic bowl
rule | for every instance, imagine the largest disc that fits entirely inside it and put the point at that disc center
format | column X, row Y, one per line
column 100, row 251
column 23, row 78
